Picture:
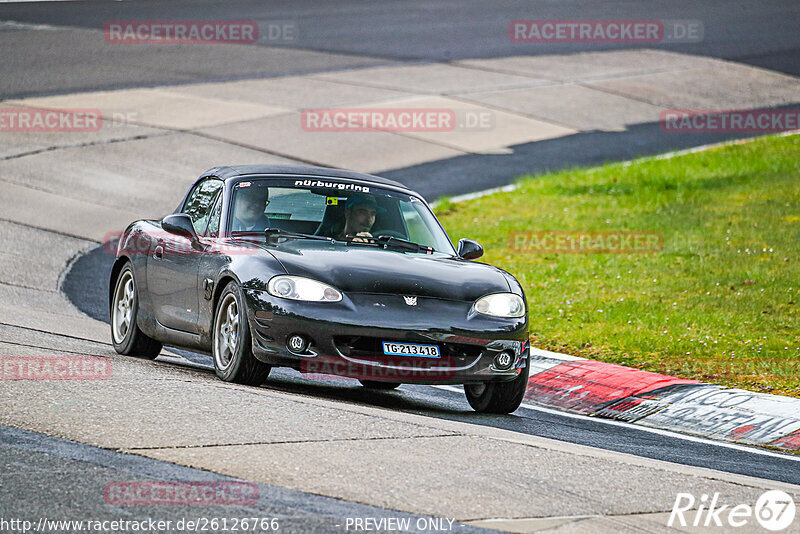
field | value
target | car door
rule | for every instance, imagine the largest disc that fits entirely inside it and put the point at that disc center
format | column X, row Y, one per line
column 172, row 267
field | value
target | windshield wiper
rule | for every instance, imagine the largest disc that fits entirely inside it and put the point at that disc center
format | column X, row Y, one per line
column 397, row 243
column 273, row 234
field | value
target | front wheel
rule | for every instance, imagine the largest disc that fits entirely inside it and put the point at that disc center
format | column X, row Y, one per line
column 498, row 397
column 125, row 333
column 232, row 345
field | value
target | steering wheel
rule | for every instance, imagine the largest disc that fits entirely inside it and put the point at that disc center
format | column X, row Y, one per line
column 390, row 233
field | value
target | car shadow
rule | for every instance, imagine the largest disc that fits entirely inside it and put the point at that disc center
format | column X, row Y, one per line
column 411, row 398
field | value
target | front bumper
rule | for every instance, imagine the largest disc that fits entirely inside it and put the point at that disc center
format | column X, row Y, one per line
column 345, row 338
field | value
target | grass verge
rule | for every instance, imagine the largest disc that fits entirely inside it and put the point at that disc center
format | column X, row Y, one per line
column 719, row 302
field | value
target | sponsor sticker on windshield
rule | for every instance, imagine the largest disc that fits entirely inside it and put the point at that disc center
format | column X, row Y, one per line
column 332, row 185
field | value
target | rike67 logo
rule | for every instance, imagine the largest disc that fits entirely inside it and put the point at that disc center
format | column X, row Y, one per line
column 773, row 511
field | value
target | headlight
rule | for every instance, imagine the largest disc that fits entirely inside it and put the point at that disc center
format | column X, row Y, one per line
column 299, row 288
column 500, row 305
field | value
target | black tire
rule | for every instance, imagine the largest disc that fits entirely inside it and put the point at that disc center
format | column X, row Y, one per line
column 498, row 397
column 237, row 365
column 380, row 386
column 126, row 336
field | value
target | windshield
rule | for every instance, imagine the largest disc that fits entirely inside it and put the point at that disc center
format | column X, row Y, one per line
column 342, row 211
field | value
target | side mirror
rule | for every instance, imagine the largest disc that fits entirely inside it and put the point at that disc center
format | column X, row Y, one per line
column 179, row 224
column 469, row 249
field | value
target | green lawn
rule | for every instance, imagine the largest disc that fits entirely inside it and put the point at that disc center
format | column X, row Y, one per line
column 720, row 302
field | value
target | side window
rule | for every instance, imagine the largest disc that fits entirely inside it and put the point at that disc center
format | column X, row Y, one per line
column 198, row 204
column 213, row 220
column 419, row 224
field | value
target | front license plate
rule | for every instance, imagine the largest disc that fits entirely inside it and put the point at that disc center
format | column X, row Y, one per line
column 411, row 349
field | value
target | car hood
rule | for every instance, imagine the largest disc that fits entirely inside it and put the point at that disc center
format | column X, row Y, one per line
column 363, row 269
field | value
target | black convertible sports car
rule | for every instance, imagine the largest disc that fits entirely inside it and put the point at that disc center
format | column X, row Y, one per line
column 324, row 271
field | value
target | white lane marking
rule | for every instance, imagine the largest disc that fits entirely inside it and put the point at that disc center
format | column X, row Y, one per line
column 539, row 366
column 702, row 148
column 669, row 433
column 14, row 25
column 626, row 163
column 478, row 194
column 556, row 355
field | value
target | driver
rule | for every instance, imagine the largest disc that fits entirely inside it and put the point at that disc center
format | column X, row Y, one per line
column 359, row 216
column 249, row 207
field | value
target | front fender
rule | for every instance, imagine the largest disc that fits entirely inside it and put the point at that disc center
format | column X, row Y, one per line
column 251, row 269
column 134, row 246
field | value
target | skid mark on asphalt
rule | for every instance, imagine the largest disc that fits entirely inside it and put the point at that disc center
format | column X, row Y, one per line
column 82, row 145
column 51, row 349
column 284, row 442
column 54, row 334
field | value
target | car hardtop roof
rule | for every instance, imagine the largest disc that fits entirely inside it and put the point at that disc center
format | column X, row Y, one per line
column 235, row 171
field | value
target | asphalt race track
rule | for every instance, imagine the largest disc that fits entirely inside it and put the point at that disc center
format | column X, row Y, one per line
column 92, row 298
column 762, row 34
column 152, row 426
column 82, row 468
column 449, row 403
column 341, row 35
